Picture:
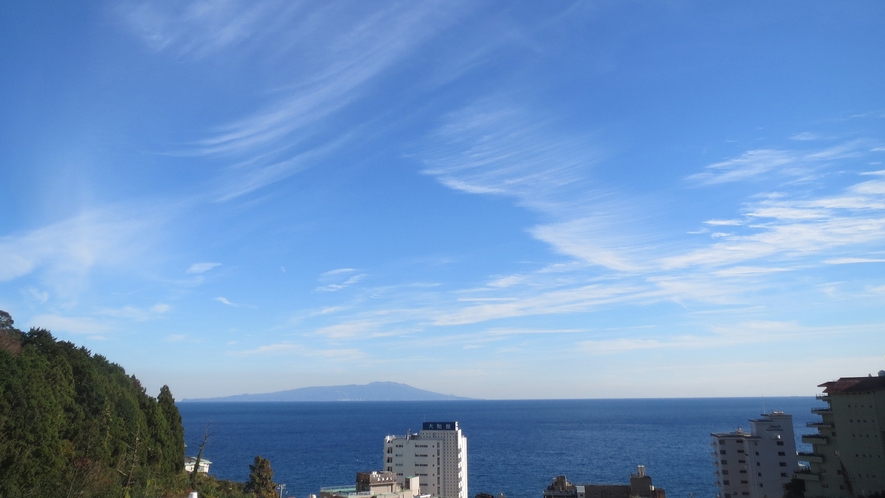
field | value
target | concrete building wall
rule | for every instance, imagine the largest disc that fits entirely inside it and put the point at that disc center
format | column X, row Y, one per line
column 437, row 454
column 756, row 464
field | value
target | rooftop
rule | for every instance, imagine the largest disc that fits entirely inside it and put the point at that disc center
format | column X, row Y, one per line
column 854, row 385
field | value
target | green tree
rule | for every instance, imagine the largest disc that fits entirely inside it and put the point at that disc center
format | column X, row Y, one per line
column 173, row 444
column 261, row 479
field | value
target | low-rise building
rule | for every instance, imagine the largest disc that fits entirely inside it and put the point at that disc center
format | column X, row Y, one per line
column 756, row 464
column 189, row 463
column 376, row 485
column 640, row 487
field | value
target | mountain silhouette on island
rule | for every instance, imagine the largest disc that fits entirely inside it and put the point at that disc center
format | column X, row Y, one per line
column 373, row 391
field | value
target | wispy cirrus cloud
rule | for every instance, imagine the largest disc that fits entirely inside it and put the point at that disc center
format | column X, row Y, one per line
column 494, row 148
column 225, row 301
column 65, row 253
column 280, row 348
column 336, row 49
column 755, row 163
column 70, row 324
column 198, row 268
column 740, row 334
column 197, row 29
column 136, row 313
column 336, row 280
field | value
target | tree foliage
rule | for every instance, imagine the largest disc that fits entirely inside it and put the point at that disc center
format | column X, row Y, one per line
column 74, row 424
column 261, row 479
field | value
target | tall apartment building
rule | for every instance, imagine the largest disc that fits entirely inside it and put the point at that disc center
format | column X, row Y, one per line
column 849, row 448
column 437, row 454
column 756, row 464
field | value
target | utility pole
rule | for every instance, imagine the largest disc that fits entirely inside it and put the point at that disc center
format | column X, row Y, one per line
column 281, row 487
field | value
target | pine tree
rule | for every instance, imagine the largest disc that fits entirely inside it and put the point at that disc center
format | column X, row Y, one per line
column 261, row 479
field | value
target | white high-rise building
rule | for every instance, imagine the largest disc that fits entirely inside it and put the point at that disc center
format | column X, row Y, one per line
column 756, row 464
column 437, row 454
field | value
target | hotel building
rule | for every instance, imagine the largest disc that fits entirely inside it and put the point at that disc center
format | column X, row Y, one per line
column 849, row 448
column 437, row 455
column 756, row 464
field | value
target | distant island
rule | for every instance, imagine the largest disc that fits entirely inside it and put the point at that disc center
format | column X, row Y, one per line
column 373, row 391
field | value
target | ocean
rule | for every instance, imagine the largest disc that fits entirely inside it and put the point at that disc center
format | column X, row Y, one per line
column 514, row 447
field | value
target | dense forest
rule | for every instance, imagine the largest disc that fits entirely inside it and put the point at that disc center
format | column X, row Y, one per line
column 73, row 424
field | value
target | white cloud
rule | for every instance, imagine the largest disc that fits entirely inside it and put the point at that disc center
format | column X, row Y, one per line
column 41, row 296
column 341, row 285
column 336, row 49
column 270, row 349
column 227, row 302
column 756, row 163
column 161, row 308
column 198, row 268
column 136, row 313
column 724, row 222
column 73, row 325
column 337, row 271
column 848, row 261
column 70, row 249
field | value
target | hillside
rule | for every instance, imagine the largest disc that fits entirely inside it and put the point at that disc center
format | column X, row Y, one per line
column 74, row 424
column 374, row 391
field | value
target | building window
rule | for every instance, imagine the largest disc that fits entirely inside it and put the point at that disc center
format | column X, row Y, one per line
column 721, row 441
column 725, row 472
column 783, row 464
column 725, row 483
column 742, row 461
column 781, row 453
column 780, row 443
column 721, row 452
column 743, row 471
column 724, row 462
column 783, row 474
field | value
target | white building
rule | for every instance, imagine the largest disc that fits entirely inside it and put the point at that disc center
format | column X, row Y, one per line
column 189, row 463
column 437, row 454
column 759, row 463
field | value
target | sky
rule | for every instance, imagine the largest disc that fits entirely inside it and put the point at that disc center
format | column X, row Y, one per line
column 591, row 199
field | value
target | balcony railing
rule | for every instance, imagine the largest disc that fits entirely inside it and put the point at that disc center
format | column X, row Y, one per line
column 814, row 439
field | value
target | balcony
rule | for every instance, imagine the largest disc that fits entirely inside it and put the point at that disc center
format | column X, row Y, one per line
column 810, row 457
column 819, row 425
column 824, row 410
column 822, row 397
column 814, row 439
column 807, row 475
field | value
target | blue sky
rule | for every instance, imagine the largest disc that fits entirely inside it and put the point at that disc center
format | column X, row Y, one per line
column 488, row 199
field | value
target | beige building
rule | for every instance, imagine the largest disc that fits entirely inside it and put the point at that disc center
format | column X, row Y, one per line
column 758, row 463
column 849, row 448
column 375, row 485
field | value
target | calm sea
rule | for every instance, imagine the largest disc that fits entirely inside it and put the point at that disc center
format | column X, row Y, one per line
column 514, row 447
